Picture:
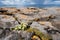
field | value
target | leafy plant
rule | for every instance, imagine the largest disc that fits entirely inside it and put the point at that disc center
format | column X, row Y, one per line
column 22, row 26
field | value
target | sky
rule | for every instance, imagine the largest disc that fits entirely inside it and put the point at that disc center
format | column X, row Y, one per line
column 29, row 2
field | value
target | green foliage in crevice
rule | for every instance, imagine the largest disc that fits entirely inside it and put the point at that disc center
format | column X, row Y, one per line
column 24, row 27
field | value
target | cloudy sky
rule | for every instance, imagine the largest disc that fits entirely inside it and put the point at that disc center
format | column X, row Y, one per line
column 29, row 2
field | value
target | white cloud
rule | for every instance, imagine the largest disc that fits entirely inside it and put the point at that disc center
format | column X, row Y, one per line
column 55, row 2
column 47, row 1
column 17, row 2
column 52, row 2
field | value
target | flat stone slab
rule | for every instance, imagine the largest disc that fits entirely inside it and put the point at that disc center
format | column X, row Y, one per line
column 56, row 36
column 7, row 21
column 38, row 26
column 26, row 18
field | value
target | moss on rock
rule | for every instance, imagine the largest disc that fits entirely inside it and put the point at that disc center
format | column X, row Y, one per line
column 40, row 34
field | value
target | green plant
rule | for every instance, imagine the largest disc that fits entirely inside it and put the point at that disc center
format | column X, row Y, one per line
column 22, row 26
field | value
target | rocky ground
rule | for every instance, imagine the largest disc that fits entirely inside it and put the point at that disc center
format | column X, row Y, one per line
column 46, row 20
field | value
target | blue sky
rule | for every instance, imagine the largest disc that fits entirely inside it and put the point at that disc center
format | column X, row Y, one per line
column 29, row 2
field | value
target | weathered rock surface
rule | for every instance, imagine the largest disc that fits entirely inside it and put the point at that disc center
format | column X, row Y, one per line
column 14, row 35
column 30, row 10
column 7, row 21
column 26, row 18
column 39, row 18
column 9, row 11
column 38, row 26
column 56, row 36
